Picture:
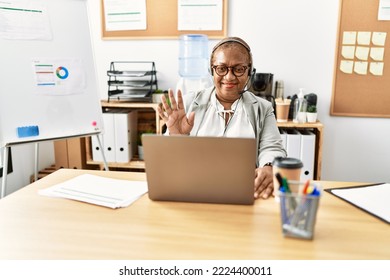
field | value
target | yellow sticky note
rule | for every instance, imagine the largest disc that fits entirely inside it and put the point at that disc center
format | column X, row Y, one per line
column 348, row 52
column 362, row 53
column 379, row 38
column 364, row 38
column 361, row 67
column 376, row 68
column 349, row 37
column 346, row 66
column 377, row 53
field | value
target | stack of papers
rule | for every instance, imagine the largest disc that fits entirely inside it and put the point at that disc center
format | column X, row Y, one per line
column 112, row 193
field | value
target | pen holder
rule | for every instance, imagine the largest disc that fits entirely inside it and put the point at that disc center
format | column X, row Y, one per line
column 298, row 213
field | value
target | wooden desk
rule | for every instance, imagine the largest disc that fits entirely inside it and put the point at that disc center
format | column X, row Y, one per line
column 38, row 227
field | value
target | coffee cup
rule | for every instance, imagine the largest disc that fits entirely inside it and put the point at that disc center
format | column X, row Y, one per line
column 289, row 168
column 282, row 109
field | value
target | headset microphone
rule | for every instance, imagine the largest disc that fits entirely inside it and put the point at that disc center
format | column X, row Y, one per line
column 246, row 87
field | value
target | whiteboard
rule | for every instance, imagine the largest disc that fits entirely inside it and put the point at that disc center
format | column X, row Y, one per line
column 48, row 87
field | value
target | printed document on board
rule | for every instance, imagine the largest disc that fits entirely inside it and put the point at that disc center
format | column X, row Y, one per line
column 200, row 15
column 59, row 76
column 125, row 15
column 384, row 10
column 24, row 20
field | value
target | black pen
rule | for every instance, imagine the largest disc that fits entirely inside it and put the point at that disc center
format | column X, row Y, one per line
column 280, row 180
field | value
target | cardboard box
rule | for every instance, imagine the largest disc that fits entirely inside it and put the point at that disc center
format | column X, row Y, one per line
column 70, row 153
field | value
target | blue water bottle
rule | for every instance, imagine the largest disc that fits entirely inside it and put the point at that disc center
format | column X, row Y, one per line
column 193, row 56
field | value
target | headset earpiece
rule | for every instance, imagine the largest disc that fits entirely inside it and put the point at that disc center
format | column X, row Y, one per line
column 211, row 71
column 252, row 72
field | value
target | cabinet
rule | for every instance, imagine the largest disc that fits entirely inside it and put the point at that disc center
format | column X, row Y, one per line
column 132, row 80
column 70, row 153
column 317, row 129
column 148, row 120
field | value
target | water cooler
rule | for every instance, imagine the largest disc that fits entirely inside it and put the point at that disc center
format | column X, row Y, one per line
column 193, row 64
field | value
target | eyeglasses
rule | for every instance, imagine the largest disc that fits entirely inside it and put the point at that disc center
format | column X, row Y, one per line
column 222, row 70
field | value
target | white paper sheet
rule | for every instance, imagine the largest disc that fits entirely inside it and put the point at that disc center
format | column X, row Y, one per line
column 200, row 14
column 373, row 199
column 112, row 193
column 59, row 76
column 24, row 20
column 384, row 10
column 125, row 15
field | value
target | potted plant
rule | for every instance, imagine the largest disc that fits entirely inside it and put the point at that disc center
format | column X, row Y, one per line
column 156, row 95
column 139, row 143
column 311, row 114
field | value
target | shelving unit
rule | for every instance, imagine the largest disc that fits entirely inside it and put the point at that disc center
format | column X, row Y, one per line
column 148, row 119
column 317, row 129
column 132, row 81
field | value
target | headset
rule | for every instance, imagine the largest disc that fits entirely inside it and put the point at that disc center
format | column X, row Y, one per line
column 238, row 40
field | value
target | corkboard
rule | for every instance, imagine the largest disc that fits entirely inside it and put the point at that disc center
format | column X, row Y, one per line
column 355, row 94
column 162, row 23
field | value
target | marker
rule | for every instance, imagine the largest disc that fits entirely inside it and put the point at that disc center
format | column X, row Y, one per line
column 305, row 187
column 285, row 185
column 280, row 180
column 316, row 191
column 309, row 189
column 291, row 198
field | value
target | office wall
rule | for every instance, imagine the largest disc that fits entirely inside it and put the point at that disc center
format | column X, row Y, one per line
column 295, row 40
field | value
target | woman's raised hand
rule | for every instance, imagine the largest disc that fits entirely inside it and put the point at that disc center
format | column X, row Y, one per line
column 174, row 114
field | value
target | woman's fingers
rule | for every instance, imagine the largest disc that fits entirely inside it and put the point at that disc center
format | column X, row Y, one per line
column 165, row 105
column 180, row 103
column 161, row 113
column 172, row 100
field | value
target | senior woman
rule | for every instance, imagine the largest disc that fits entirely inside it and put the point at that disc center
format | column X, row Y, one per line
column 228, row 109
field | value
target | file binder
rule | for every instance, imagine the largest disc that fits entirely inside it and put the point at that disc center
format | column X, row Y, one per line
column 109, row 137
column 125, row 127
column 308, row 142
column 283, row 135
column 96, row 153
column 119, row 138
column 293, row 146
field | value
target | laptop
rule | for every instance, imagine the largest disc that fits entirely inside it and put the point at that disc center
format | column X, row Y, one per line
column 200, row 169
